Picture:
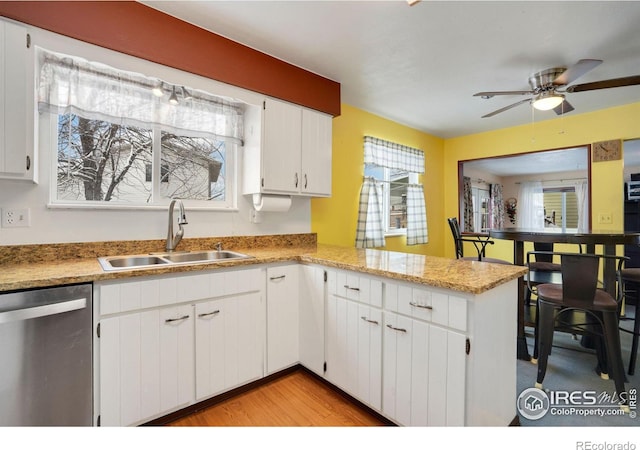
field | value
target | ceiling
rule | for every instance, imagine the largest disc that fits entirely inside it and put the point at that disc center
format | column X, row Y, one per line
column 420, row 65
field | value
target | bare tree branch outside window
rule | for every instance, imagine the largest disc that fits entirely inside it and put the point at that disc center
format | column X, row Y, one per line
column 108, row 162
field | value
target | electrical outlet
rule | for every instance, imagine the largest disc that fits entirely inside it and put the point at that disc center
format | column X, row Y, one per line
column 13, row 218
column 604, row 218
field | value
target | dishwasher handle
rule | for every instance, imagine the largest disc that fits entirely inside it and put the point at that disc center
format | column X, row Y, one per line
column 43, row 310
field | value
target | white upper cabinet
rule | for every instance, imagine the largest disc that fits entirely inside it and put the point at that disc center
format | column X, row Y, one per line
column 316, row 153
column 294, row 154
column 17, row 108
column 281, row 143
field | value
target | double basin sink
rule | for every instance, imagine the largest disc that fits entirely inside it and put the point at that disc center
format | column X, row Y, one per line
column 110, row 263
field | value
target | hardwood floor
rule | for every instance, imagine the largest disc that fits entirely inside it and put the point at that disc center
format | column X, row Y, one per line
column 296, row 399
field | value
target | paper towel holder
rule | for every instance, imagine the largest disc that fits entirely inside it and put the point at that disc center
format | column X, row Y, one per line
column 271, row 202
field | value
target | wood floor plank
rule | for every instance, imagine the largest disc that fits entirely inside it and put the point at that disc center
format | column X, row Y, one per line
column 296, row 399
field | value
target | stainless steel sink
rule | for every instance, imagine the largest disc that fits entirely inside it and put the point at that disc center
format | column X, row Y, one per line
column 125, row 262
column 212, row 255
column 111, row 263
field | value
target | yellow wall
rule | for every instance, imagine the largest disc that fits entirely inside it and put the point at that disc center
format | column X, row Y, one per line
column 607, row 177
column 334, row 219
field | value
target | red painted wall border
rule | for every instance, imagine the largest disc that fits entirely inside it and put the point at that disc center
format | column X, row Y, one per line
column 138, row 30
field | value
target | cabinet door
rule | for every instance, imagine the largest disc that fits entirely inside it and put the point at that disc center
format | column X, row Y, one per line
column 176, row 357
column 441, row 400
column 311, row 303
column 283, row 348
column 228, row 343
column 354, row 349
column 396, row 368
column 16, row 105
column 424, row 373
column 146, row 365
column 281, row 141
column 316, row 153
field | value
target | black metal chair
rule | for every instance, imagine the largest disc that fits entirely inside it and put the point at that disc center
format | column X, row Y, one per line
column 542, row 269
column 480, row 241
column 559, row 303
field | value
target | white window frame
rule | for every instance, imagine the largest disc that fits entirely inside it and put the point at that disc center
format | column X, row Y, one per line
column 46, row 128
column 385, row 207
column 563, row 189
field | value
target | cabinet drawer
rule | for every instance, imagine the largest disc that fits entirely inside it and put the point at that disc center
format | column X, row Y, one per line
column 353, row 286
column 131, row 295
column 425, row 304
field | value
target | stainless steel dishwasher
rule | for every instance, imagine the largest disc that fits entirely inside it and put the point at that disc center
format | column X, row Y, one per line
column 46, row 357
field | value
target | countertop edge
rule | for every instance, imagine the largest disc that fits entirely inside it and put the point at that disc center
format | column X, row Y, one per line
column 87, row 270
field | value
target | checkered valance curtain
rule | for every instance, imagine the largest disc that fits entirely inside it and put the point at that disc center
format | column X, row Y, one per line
column 370, row 228
column 394, row 156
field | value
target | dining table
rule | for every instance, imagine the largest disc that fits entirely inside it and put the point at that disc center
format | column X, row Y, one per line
column 608, row 239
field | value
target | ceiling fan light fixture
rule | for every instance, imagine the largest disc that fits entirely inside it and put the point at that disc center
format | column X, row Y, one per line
column 547, row 100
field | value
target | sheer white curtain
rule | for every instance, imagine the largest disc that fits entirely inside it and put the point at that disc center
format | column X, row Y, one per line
column 96, row 91
column 530, row 206
column 582, row 195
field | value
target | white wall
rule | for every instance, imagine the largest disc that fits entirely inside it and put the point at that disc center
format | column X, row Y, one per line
column 56, row 225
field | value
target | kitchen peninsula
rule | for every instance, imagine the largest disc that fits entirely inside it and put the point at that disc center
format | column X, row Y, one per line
column 435, row 338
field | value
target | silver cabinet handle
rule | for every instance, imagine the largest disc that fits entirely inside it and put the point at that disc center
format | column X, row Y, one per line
column 277, row 278
column 403, row 330
column 296, row 179
column 375, row 322
column 212, row 313
column 420, row 306
column 305, row 180
column 351, row 288
column 177, row 319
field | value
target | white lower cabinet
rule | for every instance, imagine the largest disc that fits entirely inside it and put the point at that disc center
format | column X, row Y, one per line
column 146, row 364
column 354, row 336
column 311, row 309
column 166, row 342
column 423, row 372
column 419, row 355
column 354, row 349
column 422, row 356
column 283, row 290
column 228, row 343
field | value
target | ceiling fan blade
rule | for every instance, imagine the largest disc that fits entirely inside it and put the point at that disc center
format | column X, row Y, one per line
column 605, row 84
column 576, row 71
column 498, row 111
column 563, row 108
column 494, row 93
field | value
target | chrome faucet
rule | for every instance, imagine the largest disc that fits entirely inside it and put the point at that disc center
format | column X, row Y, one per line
column 173, row 241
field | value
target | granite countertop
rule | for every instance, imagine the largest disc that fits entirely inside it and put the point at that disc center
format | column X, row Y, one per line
column 34, row 266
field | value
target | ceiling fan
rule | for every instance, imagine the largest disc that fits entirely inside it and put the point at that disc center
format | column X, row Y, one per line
column 546, row 87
